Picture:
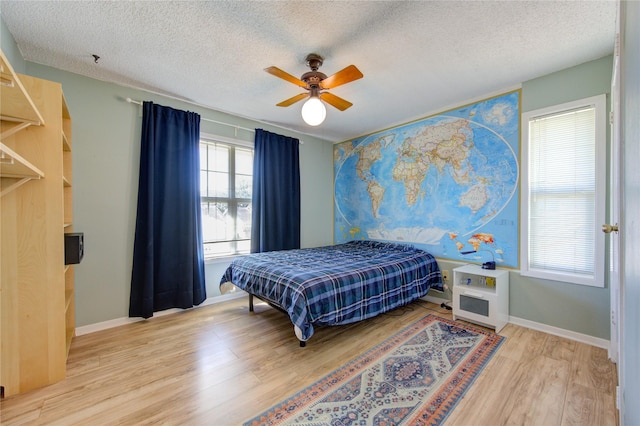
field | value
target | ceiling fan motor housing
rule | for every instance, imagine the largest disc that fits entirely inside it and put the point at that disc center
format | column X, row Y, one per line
column 314, row 61
column 313, row 78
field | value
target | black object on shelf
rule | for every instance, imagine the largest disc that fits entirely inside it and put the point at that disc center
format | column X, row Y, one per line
column 73, row 247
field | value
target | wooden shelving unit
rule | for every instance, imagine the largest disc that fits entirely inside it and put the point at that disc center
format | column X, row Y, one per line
column 67, row 189
column 18, row 112
column 36, row 288
column 17, row 105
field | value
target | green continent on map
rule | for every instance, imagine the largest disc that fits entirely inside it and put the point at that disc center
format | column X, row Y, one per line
column 445, row 144
column 447, row 183
column 354, row 231
column 438, row 145
column 369, row 155
column 376, row 193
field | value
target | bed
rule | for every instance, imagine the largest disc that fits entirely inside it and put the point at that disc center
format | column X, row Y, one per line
column 337, row 284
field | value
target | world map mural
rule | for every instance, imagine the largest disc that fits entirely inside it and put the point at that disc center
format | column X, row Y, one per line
column 447, row 183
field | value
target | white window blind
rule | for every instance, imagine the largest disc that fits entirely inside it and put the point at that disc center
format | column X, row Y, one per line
column 564, row 194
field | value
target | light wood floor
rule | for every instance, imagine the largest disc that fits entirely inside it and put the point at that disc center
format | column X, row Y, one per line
column 220, row 365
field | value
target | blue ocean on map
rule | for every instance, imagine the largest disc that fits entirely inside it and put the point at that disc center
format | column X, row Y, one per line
column 447, row 183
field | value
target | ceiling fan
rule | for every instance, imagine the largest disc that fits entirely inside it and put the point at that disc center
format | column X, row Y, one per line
column 317, row 83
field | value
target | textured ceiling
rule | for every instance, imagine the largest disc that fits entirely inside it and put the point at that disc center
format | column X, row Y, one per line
column 417, row 57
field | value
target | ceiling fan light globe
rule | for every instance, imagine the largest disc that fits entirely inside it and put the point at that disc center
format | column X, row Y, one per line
column 314, row 111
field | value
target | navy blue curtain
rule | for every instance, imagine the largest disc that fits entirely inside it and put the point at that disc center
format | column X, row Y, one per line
column 276, row 193
column 168, row 256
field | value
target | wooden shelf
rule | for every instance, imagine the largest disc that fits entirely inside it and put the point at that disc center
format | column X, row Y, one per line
column 66, row 126
column 65, row 143
column 70, row 334
column 12, row 165
column 15, row 170
column 68, row 298
column 16, row 103
column 69, row 306
column 17, row 112
column 37, row 292
column 10, row 128
column 67, row 179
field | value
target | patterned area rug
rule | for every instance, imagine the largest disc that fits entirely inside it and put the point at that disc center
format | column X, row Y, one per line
column 415, row 377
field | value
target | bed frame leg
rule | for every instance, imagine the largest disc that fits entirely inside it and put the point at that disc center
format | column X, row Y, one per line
column 250, row 302
column 303, row 344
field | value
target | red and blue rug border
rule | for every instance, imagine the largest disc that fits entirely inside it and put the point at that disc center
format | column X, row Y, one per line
column 443, row 400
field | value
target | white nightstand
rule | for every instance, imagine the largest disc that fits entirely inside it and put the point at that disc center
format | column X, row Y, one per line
column 481, row 296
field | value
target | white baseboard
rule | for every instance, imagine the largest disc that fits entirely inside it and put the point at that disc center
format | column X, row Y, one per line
column 572, row 335
column 92, row 328
column 561, row 332
column 437, row 300
column 104, row 325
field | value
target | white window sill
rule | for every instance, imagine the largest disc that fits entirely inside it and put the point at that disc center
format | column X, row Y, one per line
column 221, row 259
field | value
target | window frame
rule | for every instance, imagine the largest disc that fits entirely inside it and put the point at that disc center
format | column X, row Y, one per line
column 598, row 277
column 207, row 138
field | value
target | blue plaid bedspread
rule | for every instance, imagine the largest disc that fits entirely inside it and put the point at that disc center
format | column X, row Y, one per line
column 337, row 284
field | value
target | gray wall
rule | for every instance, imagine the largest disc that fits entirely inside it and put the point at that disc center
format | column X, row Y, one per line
column 106, row 153
column 573, row 307
column 10, row 49
column 578, row 308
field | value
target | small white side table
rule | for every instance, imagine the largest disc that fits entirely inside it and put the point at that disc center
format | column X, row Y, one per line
column 481, row 296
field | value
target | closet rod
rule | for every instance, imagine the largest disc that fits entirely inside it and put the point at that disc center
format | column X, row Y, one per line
column 131, row 101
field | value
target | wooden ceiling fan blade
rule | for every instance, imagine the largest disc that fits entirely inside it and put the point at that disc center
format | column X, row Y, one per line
column 293, row 100
column 344, row 76
column 335, row 101
column 285, row 76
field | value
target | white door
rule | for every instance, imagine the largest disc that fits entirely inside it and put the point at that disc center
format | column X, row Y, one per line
column 614, row 208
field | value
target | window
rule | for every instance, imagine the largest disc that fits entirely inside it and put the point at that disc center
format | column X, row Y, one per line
column 226, row 173
column 563, row 192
